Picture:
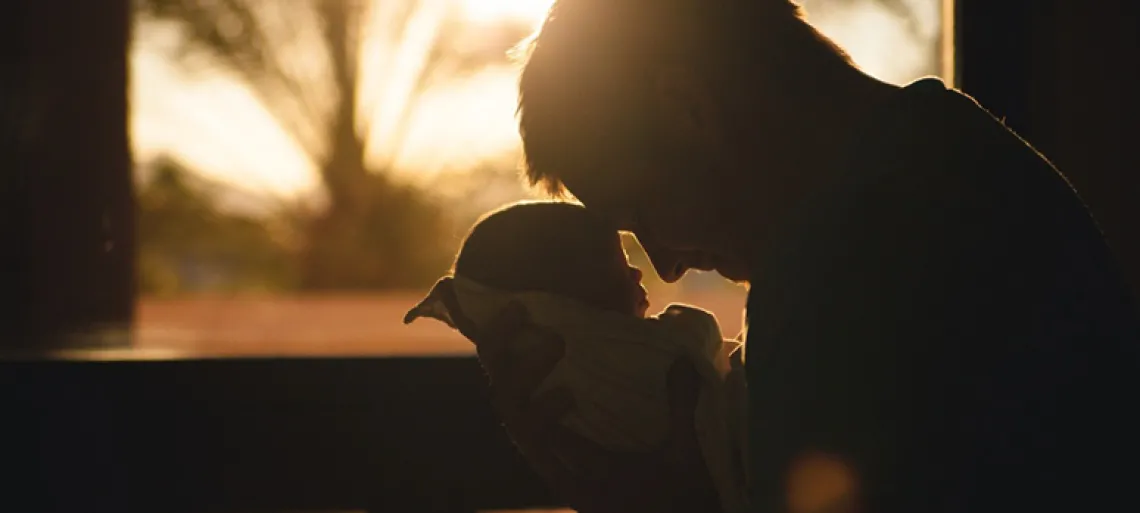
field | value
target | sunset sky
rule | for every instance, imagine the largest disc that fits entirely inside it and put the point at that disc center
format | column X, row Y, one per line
column 215, row 124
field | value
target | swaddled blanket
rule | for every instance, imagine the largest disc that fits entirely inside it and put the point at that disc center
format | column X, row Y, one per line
column 616, row 365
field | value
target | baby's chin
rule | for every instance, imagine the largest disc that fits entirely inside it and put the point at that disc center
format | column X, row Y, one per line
column 642, row 308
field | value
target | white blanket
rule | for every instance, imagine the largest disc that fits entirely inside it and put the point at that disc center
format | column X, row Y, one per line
column 615, row 366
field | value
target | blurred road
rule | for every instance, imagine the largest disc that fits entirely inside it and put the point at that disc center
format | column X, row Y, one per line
column 340, row 325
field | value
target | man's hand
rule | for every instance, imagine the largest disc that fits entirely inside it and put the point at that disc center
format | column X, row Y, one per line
column 671, row 478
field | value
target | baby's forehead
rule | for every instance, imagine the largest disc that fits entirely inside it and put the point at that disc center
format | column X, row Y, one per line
column 571, row 253
column 574, row 219
column 561, row 233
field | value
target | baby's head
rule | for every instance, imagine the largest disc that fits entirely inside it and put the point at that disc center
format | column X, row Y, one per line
column 554, row 247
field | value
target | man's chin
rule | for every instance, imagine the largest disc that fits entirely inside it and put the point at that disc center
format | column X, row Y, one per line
column 729, row 268
column 733, row 274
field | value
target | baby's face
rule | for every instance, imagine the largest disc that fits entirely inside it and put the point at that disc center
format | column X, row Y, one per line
column 640, row 295
column 623, row 283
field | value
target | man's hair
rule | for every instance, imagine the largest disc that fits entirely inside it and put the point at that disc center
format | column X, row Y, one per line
column 538, row 246
column 584, row 90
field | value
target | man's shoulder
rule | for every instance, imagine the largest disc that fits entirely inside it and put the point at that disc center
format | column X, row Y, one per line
column 940, row 196
column 936, row 163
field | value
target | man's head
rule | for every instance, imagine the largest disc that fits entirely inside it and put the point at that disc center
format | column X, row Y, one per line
column 555, row 247
column 683, row 121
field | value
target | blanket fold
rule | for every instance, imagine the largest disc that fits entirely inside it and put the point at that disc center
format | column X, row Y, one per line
column 616, row 365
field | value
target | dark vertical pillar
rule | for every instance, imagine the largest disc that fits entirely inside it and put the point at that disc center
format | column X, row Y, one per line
column 67, row 247
column 1061, row 73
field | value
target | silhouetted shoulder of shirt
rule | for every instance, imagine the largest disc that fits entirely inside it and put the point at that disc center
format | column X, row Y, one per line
column 948, row 319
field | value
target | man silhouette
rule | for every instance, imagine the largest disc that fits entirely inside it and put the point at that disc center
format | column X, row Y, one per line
column 934, row 322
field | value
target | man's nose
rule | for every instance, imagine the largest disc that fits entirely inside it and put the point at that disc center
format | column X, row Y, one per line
column 669, row 264
column 670, row 271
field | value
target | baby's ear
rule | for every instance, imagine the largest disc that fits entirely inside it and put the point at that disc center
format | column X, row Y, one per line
column 433, row 305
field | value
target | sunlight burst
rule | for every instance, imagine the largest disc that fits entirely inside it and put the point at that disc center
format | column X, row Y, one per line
column 499, row 10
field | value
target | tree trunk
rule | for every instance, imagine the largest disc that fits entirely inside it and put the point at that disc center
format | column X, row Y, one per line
column 332, row 237
column 334, row 247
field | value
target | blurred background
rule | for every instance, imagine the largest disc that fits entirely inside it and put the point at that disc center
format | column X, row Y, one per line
column 302, row 171
column 305, row 170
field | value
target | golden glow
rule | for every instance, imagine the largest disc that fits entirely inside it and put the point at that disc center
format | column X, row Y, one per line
column 216, row 124
column 949, row 63
column 878, row 41
column 495, row 10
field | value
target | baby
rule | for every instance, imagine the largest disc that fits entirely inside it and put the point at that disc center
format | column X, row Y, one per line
column 569, row 270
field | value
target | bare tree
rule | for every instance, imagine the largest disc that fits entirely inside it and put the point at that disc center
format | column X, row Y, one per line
column 308, row 62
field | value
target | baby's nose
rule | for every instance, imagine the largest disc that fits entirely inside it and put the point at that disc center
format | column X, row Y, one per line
column 635, row 272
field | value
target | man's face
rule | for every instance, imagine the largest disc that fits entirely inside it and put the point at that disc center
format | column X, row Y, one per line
column 686, row 195
column 681, row 223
